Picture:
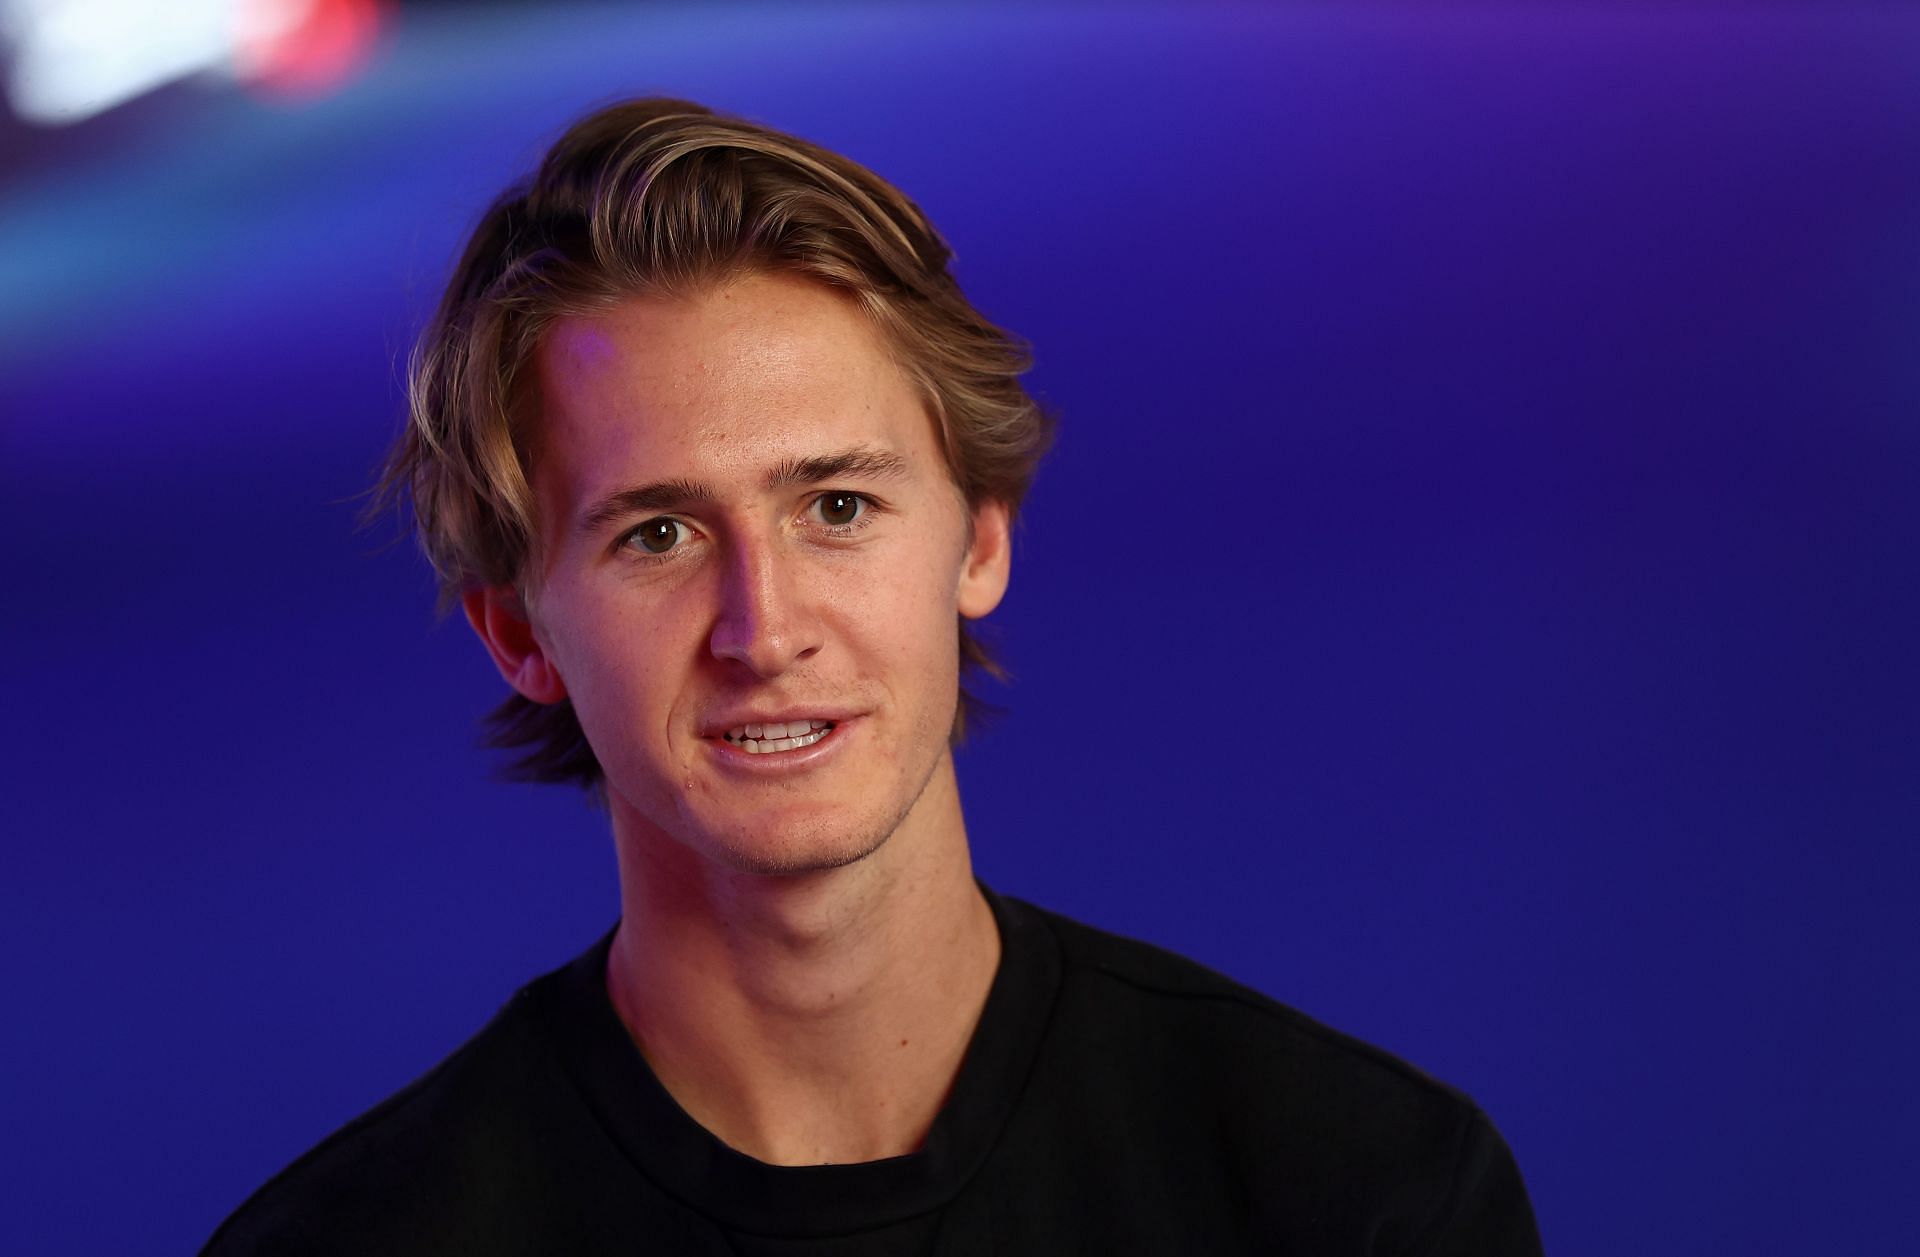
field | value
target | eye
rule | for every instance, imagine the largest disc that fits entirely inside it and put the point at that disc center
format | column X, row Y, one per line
column 838, row 509
column 657, row 536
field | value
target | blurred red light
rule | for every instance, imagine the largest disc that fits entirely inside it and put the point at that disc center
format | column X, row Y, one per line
column 317, row 54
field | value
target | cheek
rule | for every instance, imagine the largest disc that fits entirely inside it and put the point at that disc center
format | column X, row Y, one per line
column 618, row 662
column 902, row 615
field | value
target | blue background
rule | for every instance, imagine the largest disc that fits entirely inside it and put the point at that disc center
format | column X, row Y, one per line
column 1473, row 598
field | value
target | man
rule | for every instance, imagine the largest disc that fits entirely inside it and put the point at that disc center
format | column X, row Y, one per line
column 720, row 463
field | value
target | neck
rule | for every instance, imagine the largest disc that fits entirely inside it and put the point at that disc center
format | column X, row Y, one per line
column 812, row 1017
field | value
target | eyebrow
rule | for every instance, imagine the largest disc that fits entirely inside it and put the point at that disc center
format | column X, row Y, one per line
column 863, row 462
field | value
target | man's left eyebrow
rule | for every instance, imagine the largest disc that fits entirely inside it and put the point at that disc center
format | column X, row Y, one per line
column 862, row 461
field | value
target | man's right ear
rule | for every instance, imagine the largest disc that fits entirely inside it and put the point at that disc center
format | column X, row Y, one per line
column 501, row 621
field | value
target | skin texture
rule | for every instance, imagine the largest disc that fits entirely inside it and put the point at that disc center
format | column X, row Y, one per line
column 802, row 953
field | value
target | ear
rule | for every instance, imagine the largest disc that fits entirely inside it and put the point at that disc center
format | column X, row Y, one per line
column 983, row 577
column 501, row 622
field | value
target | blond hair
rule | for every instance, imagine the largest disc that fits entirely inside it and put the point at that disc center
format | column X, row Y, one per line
column 662, row 197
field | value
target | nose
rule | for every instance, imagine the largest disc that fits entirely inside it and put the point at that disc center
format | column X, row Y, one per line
column 764, row 620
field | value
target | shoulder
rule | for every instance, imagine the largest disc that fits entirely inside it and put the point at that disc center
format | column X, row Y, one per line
column 392, row 1178
column 1293, row 1114
column 1201, row 1010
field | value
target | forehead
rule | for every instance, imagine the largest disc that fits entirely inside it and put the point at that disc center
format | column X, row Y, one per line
column 717, row 386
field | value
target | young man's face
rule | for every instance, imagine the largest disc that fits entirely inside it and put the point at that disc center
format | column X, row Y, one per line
column 745, row 519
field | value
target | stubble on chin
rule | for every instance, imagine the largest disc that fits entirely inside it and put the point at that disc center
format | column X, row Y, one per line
column 796, row 859
column 822, row 846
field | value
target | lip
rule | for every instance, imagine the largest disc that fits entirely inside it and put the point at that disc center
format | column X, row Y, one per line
column 780, row 763
column 717, row 726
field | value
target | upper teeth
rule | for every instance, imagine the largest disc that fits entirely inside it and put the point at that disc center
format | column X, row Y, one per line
column 775, row 730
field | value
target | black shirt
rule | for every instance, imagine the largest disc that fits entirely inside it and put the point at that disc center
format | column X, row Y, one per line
column 1114, row 1099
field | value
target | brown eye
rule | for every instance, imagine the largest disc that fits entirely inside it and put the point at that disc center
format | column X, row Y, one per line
column 840, row 509
column 657, row 536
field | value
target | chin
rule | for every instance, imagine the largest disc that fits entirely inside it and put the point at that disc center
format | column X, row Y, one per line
column 794, row 849
column 766, row 859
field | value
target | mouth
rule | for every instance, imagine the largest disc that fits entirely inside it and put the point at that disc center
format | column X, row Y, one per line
column 779, row 737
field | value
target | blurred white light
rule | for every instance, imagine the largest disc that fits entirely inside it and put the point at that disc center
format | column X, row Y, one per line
column 74, row 58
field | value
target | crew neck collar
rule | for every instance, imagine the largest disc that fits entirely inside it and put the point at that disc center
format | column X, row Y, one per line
column 688, row 1162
